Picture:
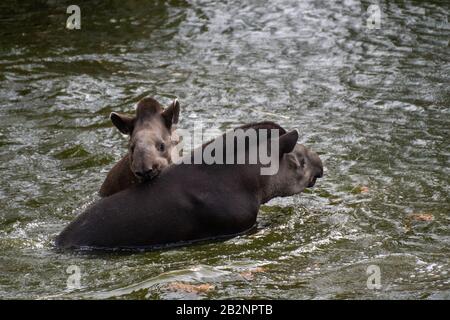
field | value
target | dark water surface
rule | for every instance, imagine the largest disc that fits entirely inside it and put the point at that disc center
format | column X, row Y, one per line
column 373, row 103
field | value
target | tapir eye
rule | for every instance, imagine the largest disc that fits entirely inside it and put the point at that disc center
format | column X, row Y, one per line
column 302, row 162
column 161, row 147
column 132, row 148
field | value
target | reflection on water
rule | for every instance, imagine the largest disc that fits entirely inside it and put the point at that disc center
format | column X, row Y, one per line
column 373, row 103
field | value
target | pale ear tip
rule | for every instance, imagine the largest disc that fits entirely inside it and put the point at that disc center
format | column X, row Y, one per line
column 114, row 114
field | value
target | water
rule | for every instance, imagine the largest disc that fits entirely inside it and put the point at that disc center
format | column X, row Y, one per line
column 373, row 103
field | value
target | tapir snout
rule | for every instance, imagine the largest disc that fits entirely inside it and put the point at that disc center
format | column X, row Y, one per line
column 316, row 167
column 147, row 167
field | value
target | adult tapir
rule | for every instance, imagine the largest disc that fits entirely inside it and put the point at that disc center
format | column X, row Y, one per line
column 193, row 202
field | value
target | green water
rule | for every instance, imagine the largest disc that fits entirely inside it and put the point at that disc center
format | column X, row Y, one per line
column 373, row 103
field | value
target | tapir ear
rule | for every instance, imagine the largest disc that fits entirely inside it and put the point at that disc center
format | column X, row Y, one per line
column 172, row 113
column 124, row 123
column 288, row 142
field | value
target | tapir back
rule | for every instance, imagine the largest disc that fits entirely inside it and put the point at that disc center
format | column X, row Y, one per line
column 177, row 207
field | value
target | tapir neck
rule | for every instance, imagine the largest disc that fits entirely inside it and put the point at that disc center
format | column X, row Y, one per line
column 270, row 187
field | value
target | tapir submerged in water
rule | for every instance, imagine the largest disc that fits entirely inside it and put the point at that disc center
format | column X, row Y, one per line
column 194, row 202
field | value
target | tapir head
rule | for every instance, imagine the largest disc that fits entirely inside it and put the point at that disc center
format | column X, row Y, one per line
column 151, row 139
column 299, row 169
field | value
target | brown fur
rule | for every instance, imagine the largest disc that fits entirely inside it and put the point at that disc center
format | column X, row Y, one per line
column 150, row 145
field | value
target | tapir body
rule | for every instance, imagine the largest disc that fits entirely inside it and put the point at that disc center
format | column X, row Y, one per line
column 192, row 202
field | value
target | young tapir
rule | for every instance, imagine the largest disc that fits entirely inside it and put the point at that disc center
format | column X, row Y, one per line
column 150, row 145
column 193, row 202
